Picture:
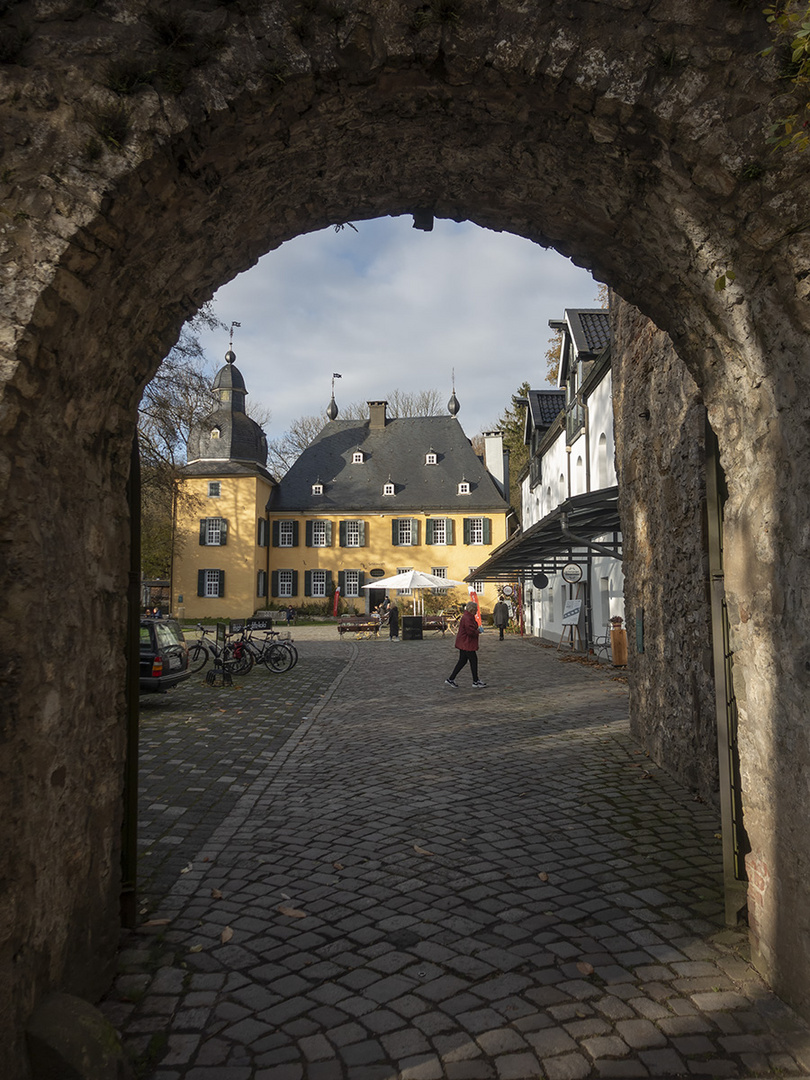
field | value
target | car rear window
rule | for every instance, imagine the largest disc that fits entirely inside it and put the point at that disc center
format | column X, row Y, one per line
column 168, row 634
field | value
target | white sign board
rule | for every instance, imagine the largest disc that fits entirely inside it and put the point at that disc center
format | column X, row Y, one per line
column 571, row 612
column 572, row 573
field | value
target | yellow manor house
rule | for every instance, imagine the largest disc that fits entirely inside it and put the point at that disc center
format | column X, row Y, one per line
column 367, row 499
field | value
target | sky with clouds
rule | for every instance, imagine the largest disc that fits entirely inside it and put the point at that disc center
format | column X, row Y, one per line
column 390, row 307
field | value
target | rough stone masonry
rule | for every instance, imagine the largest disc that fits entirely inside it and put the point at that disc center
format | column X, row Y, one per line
column 149, row 155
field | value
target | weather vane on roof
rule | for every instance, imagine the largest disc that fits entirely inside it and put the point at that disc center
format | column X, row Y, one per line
column 233, row 324
column 335, row 376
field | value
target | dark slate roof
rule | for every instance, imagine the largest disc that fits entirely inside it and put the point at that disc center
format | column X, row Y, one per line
column 545, row 406
column 240, row 438
column 590, row 328
column 396, row 451
column 216, row 469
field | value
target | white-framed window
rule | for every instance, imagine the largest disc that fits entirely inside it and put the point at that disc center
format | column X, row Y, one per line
column 352, row 583
column 476, row 586
column 464, row 488
column 405, row 532
column 431, row 458
column 352, row 534
column 213, row 533
column 358, row 457
column 476, row 530
column 439, row 571
column 214, row 489
column 404, row 570
column 285, row 583
column 319, row 583
column 317, row 489
column 319, row 534
column 212, row 578
column 215, row 433
column 285, row 534
column 388, row 489
column 440, row 532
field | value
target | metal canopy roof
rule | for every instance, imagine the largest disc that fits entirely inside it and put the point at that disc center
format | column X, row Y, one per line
column 565, row 535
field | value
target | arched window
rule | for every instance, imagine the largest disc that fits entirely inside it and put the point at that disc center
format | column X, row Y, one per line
column 579, row 474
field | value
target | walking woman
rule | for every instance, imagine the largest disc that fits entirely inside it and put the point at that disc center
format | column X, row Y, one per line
column 467, row 645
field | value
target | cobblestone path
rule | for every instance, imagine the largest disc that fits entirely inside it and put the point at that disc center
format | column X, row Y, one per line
column 401, row 881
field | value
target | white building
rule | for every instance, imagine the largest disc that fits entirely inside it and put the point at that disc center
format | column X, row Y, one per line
column 569, row 545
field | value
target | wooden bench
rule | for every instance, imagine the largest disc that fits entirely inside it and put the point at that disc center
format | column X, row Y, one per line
column 358, row 624
column 437, row 623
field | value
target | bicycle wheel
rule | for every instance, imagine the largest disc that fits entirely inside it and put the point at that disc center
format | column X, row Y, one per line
column 237, row 665
column 276, row 658
column 198, row 656
column 291, row 648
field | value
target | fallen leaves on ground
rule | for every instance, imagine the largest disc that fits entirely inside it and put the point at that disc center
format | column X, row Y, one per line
column 422, row 851
column 543, row 875
column 337, row 865
column 226, row 935
column 157, row 922
column 293, row 913
column 585, row 968
column 216, row 894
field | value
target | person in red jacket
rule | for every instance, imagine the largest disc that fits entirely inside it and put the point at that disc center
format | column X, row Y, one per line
column 467, row 645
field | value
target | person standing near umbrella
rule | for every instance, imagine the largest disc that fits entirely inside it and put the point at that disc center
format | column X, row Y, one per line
column 467, row 645
column 393, row 622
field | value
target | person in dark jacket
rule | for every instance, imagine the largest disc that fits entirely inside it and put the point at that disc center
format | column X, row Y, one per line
column 467, row 645
column 393, row 622
column 500, row 616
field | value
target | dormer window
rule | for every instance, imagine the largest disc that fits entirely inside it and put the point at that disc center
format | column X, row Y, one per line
column 215, row 433
column 388, row 489
column 431, row 458
column 317, row 489
column 358, row 457
column 464, row 487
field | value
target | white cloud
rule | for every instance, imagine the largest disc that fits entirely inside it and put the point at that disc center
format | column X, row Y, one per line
column 390, row 307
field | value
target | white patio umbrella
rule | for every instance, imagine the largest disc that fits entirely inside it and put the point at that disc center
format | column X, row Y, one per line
column 414, row 580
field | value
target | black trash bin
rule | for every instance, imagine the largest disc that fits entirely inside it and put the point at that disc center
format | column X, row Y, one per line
column 412, row 628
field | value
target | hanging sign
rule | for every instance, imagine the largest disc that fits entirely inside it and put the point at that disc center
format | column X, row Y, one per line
column 572, row 573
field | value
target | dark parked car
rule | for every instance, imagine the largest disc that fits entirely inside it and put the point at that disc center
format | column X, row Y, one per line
column 164, row 655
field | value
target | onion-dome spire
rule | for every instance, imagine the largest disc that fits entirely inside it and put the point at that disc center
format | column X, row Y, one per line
column 453, row 405
column 332, row 409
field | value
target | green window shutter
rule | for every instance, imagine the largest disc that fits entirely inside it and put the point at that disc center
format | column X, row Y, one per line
column 330, row 585
column 429, row 531
column 361, row 579
column 328, row 533
column 261, row 583
column 342, row 582
column 295, row 583
column 275, row 536
column 274, row 583
column 203, row 528
column 309, row 537
column 362, row 525
column 223, row 535
column 295, row 534
column 200, row 583
column 395, row 532
column 221, row 591
column 307, row 583
column 466, row 530
column 342, row 534
column 414, row 532
column 487, row 530
column 449, row 531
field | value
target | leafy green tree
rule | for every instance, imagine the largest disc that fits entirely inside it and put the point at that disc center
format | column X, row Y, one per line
column 790, row 19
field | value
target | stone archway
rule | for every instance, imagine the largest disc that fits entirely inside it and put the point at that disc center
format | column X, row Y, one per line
column 629, row 136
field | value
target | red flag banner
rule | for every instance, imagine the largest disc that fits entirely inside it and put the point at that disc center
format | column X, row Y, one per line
column 337, row 598
column 474, row 598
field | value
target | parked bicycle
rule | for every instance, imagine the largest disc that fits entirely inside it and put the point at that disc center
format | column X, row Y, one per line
column 234, row 656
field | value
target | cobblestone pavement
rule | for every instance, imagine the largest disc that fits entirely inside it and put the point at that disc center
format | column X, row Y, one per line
column 411, row 882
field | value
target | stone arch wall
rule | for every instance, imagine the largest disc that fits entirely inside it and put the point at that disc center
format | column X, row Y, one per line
column 628, row 135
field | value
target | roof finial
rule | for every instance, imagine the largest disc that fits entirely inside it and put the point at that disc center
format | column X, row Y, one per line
column 453, row 405
column 230, row 355
column 332, row 409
